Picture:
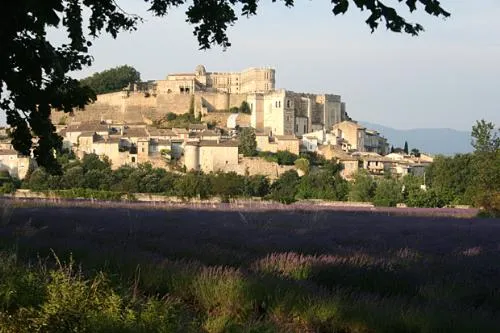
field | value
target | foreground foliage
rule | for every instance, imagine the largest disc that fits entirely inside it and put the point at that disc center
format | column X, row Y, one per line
column 280, row 292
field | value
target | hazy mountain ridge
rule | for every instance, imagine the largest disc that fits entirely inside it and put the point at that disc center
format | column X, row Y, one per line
column 445, row 141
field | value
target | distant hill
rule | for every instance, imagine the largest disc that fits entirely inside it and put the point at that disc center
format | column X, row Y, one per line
column 444, row 141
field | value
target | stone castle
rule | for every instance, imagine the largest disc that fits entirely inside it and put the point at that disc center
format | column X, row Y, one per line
column 123, row 125
column 278, row 111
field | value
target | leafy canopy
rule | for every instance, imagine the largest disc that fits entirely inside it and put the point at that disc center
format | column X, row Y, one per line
column 34, row 71
column 484, row 137
column 248, row 143
column 111, row 80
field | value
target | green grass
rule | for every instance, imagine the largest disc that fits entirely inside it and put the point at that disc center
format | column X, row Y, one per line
column 279, row 294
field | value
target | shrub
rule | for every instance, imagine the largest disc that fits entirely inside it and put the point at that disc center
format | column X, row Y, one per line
column 388, row 193
column 285, row 157
column 85, row 193
column 284, row 189
column 363, row 187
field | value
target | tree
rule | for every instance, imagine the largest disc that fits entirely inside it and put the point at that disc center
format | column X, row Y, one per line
column 392, row 149
column 285, row 157
column 486, row 167
column 406, row 148
column 415, row 152
column 302, row 164
column 256, row 186
column 248, row 142
column 452, row 178
column 93, row 162
column 363, row 187
column 484, row 138
column 34, row 72
column 111, row 80
column 325, row 183
column 284, row 189
column 193, row 184
column 245, row 108
column 388, row 193
column 227, row 185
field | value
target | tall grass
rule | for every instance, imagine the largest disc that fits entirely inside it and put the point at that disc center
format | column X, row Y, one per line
column 121, row 280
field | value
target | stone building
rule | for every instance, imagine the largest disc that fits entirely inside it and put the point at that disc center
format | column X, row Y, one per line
column 352, row 136
column 247, row 81
column 285, row 112
column 16, row 165
column 210, row 156
column 276, row 143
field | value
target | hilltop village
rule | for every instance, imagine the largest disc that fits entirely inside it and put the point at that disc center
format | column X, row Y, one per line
column 141, row 124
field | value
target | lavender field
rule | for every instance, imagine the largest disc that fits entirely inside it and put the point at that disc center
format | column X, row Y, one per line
column 276, row 270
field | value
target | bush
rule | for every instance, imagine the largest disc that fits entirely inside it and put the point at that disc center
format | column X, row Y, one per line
column 170, row 116
column 363, row 187
column 256, row 186
column 85, row 193
column 284, row 189
column 192, row 185
column 285, row 157
column 227, row 185
column 388, row 193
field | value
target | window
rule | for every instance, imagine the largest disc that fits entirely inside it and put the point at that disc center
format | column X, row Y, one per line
column 288, row 103
column 304, row 128
column 133, row 159
column 143, row 149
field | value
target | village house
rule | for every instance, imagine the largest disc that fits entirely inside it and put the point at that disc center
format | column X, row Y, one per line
column 273, row 144
column 210, row 156
column 16, row 165
column 352, row 136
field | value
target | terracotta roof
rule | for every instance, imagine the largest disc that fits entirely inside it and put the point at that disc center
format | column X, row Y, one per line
column 8, row 152
column 87, row 127
column 206, row 133
column 161, row 142
column 211, row 143
column 180, row 130
column 286, row 137
column 101, row 139
column 135, row 132
column 86, row 134
column 161, row 132
column 197, row 126
column 347, row 158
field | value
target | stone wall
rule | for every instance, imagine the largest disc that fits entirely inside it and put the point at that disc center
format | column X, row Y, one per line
column 258, row 166
column 176, row 103
column 220, row 118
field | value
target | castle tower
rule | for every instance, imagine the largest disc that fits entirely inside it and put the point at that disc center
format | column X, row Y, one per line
column 192, row 156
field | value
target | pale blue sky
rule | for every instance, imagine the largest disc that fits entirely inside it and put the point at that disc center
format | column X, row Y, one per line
column 449, row 76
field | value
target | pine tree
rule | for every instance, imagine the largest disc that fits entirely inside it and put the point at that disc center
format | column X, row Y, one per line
column 406, row 148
